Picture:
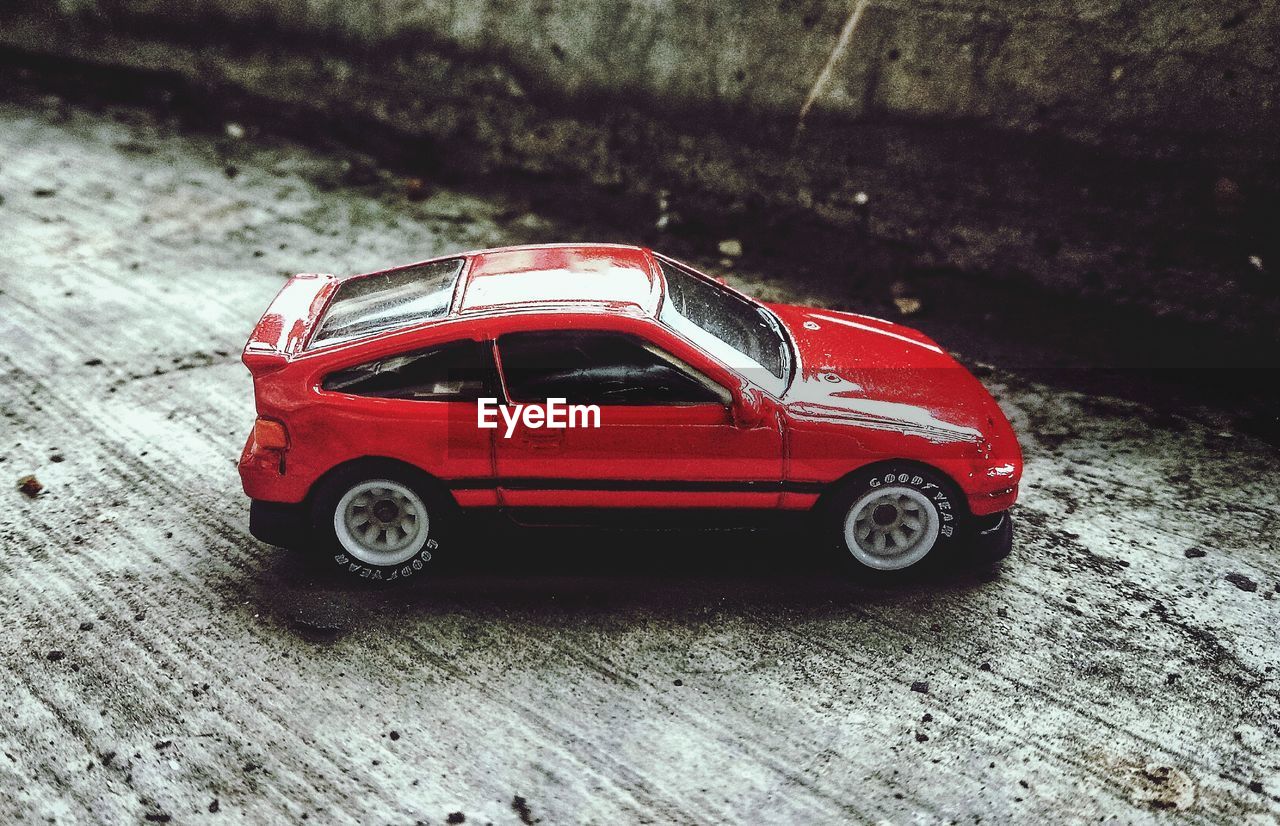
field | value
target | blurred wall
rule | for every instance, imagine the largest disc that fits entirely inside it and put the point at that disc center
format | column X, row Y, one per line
column 1086, row 68
column 1119, row 149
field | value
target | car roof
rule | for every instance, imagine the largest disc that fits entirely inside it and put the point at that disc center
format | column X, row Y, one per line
column 550, row 277
column 545, row 278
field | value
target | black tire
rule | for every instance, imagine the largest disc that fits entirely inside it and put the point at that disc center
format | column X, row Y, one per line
column 402, row 488
column 910, row 512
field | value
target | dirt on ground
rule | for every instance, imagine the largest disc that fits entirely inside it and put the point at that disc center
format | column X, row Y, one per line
column 160, row 664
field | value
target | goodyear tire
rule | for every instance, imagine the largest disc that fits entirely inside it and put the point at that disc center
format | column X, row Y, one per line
column 895, row 516
column 379, row 521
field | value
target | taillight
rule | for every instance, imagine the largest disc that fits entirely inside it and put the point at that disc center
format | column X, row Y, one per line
column 269, row 434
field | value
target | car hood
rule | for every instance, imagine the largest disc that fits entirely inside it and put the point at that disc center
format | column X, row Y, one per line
column 861, row 370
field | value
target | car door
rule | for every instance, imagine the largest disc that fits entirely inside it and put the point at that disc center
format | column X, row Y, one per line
column 416, row 404
column 665, row 436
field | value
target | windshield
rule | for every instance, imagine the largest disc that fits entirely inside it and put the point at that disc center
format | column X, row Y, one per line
column 741, row 333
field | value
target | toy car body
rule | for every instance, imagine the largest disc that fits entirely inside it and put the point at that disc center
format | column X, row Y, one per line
column 375, row 393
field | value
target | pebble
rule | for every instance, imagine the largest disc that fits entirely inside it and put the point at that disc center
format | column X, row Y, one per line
column 731, row 247
column 30, row 486
column 1242, row 582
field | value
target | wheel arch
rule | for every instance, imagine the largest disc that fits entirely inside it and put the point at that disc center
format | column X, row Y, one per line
column 833, row 490
column 374, row 464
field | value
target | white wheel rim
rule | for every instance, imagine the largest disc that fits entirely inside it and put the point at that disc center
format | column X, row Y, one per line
column 381, row 522
column 891, row 527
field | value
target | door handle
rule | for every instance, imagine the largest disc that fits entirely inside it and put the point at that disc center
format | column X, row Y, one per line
column 542, row 440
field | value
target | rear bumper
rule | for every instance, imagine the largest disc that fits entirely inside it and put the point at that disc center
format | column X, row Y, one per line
column 277, row 523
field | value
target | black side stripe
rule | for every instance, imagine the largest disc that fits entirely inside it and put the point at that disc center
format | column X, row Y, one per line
column 548, row 483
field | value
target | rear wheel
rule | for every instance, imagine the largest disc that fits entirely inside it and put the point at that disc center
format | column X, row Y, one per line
column 379, row 521
column 894, row 517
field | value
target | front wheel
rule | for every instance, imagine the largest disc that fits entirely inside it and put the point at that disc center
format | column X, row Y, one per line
column 894, row 517
column 378, row 523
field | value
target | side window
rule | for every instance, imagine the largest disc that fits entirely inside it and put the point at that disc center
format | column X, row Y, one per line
column 597, row 367
column 457, row 371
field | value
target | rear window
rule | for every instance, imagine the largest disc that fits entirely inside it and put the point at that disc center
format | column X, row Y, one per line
column 373, row 303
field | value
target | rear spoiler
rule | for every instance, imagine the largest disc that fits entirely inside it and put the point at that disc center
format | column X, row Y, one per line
column 287, row 323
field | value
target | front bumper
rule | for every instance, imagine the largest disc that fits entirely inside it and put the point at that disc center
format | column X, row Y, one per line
column 985, row 504
column 278, row 523
column 992, row 537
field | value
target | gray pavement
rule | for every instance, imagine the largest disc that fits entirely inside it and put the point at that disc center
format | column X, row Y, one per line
column 159, row 662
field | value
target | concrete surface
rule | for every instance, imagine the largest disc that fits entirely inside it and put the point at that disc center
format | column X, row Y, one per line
column 159, row 663
column 1121, row 151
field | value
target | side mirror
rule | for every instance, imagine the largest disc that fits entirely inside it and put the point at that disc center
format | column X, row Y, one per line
column 748, row 408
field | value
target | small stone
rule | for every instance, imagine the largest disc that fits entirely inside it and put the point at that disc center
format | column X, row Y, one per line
column 1193, row 553
column 920, row 686
column 928, row 718
column 456, row 817
column 44, row 192
column 416, row 189
column 230, row 171
column 1255, row 786
column 521, row 807
column 395, row 735
column 57, row 458
column 1242, row 582
column 55, row 655
column 93, row 362
column 907, row 305
column 731, row 247
column 986, row 666
column 30, row 486
column 921, row 737
column 679, row 682
column 86, row 626
column 214, row 806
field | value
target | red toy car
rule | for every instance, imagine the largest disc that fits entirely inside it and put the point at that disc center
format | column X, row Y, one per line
column 572, row 379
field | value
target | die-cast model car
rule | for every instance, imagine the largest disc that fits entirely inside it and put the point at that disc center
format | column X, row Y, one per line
column 599, row 379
